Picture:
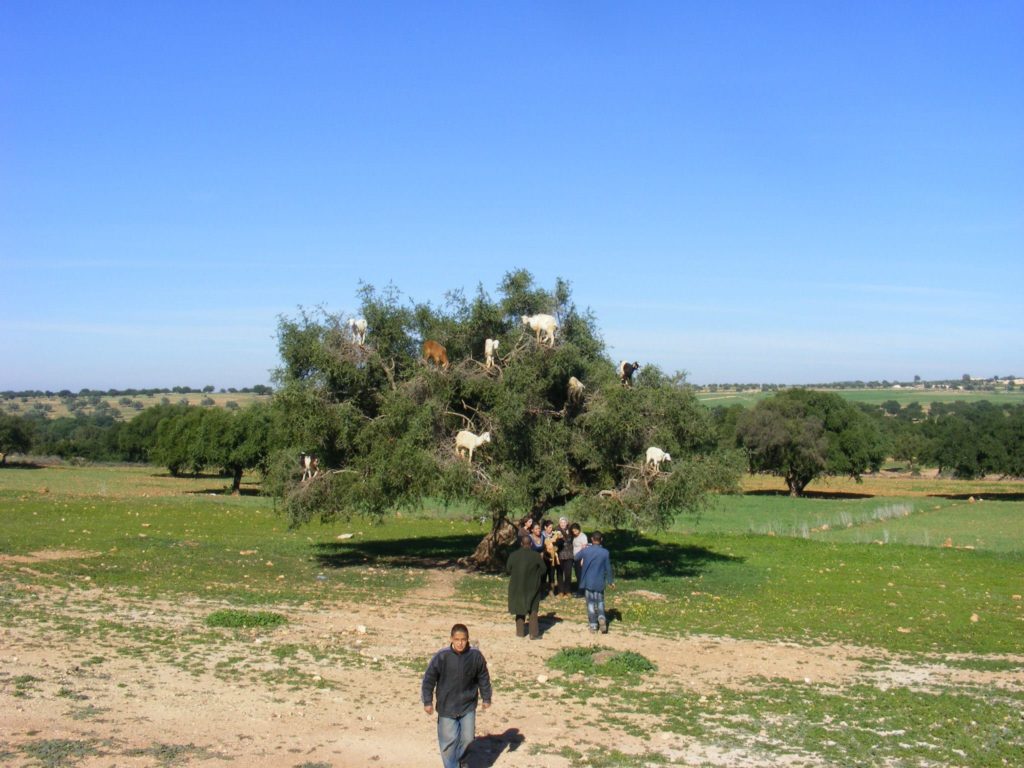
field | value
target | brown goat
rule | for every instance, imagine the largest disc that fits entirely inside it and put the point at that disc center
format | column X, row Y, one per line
column 433, row 351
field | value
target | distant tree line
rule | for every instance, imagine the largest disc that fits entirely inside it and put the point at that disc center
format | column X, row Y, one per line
column 802, row 434
column 965, row 382
column 798, row 435
column 182, row 438
column 258, row 389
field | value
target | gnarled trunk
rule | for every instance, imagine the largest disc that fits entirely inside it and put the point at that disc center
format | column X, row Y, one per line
column 490, row 553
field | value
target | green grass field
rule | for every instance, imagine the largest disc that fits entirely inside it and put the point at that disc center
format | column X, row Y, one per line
column 874, row 396
column 867, row 571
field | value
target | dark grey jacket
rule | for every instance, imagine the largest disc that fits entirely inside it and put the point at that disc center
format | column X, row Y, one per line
column 457, row 677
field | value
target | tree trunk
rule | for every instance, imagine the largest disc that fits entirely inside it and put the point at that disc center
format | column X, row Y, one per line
column 236, row 483
column 796, row 485
column 489, row 554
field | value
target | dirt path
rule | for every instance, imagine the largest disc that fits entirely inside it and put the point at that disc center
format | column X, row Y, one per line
column 150, row 708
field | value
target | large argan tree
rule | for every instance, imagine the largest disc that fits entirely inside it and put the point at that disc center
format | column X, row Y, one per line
column 801, row 434
column 383, row 422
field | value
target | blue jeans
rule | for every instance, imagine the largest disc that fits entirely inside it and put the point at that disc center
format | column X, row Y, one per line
column 454, row 735
column 595, row 606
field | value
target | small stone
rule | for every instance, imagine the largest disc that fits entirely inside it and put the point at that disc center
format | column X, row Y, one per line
column 542, row 678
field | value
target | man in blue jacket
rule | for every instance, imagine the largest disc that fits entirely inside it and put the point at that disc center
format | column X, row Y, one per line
column 457, row 672
column 595, row 574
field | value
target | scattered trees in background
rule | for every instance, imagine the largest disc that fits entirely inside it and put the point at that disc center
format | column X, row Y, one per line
column 801, row 434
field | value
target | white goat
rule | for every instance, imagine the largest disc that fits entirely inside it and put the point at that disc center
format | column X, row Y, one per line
column 655, row 456
column 310, row 466
column 542, row 324
column 358, row 327
column 575, row 389
column 490, row 347
column 468, row 442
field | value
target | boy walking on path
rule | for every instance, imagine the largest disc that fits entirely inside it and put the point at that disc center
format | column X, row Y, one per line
column 458, row 672
column 595, row 574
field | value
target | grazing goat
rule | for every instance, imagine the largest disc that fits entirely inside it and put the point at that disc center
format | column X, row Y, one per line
column 575, row 389
column 310, row 465
column 468, row 442
column 358, row 327
column 655, row 456
column 542, row 324
column 433, row 351
column 490, row 347
column 626, row 371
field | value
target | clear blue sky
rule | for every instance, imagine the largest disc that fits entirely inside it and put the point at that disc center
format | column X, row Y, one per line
column 784, row 192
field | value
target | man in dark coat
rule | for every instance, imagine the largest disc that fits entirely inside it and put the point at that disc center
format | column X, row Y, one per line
column 527, row 570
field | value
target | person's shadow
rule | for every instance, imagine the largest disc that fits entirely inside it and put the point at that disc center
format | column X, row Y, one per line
column 486, row 750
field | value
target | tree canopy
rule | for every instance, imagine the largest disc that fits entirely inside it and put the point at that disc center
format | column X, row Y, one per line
column 801, row 434
column 15, row 435
column 383, row 423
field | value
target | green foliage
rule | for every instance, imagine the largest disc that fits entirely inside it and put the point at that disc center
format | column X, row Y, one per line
column 973, row 439
column 801, row 434
column 192, row 439
column 384, row 424
column 15, row 435
column 245, row 619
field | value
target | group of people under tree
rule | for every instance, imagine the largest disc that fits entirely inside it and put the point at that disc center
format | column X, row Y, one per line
column 546, row 561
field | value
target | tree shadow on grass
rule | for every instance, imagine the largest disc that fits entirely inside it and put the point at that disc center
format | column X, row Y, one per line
column 813, row 494
column 419, row 552
column 10, row 464
column 636, row 556
column 224, row 491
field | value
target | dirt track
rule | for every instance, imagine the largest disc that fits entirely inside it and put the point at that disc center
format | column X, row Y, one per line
column 147, row 711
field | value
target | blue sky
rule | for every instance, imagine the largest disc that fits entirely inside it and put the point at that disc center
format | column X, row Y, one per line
column 786, row 192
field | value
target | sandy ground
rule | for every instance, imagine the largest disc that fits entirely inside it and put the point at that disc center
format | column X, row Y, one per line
column 371, row 714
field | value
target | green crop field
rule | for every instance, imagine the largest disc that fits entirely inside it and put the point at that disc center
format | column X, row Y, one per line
column 929, row 630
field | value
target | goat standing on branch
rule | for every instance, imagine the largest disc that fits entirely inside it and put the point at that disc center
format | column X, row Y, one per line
column 490, row 347
column 358, row 327
column 542, row 324
column 310, row 466
column 626, row 371
column 433, row 351
column 655, row 457
column 575, row 389
column 469, row 442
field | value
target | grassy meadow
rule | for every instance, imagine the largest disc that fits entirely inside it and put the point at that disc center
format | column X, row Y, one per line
column 903, row 571
column 903, row 396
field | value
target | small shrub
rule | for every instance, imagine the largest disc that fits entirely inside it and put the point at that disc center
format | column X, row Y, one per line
column 245, row 619
column 598, row 661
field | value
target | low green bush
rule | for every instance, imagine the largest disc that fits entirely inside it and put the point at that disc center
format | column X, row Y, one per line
column 245, row 619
